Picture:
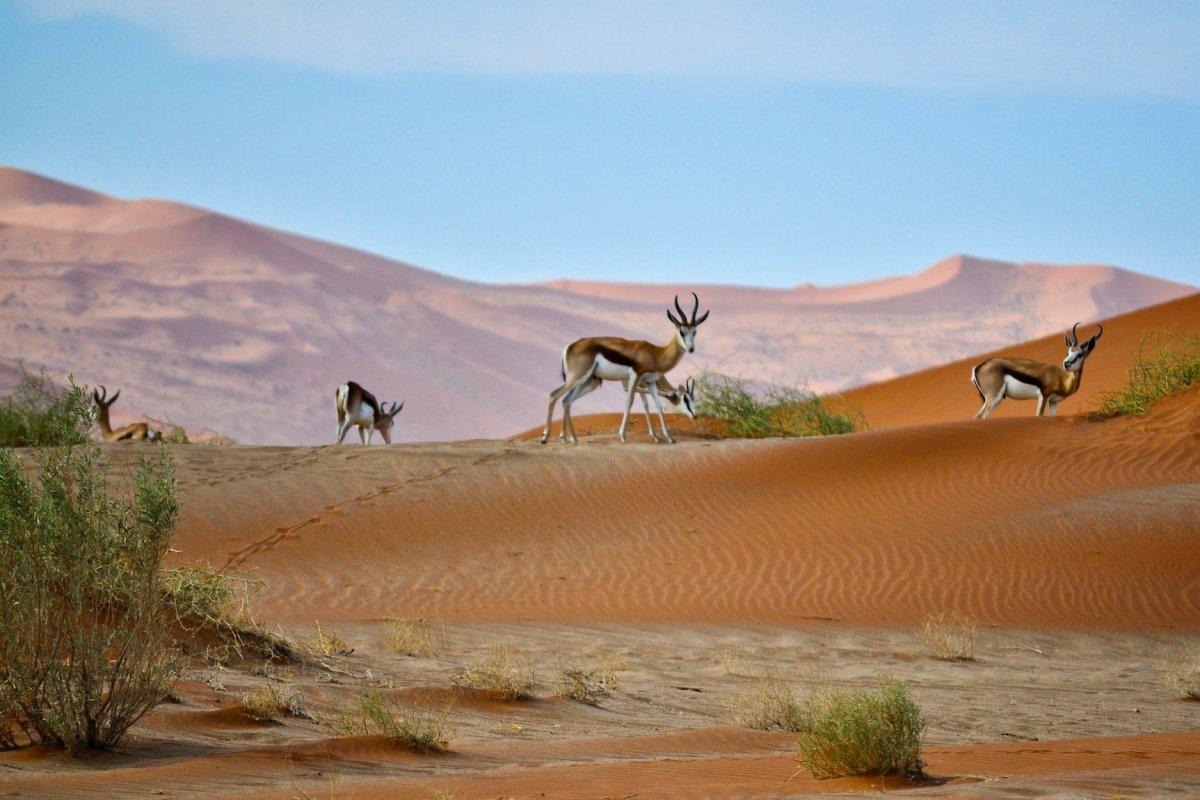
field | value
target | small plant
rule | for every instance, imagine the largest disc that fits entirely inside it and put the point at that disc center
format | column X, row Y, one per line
column 586, row 684
column 424, row 728
column 1180, row 667
column 864, row 732
column 418, row 636
column 502, row 674
column 772, row 703
column 269, row 702
column 328, row 644
column 1165, row 363
column 207, row 603
column 38, row 413
column 948, row 636
column 746, row 410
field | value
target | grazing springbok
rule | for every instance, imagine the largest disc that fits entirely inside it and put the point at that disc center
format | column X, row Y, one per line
column 133, row 432
column 681, row 398
column 357, row 406
column 633, row 362
column 1025, row 379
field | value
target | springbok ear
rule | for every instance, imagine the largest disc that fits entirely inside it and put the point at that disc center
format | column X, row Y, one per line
column 396, row 409
column 674, row 321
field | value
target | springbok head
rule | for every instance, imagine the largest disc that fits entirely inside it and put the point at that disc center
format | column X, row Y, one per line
column 102, row 399
column 683, row 398
column 685, row 327
column 1076, row 352
column 387, row 416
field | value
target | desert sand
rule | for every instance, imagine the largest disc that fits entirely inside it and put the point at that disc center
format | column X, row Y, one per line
column 218, row 323
column 694, row 569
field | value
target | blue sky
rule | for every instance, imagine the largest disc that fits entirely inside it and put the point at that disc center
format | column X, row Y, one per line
column 758, row 142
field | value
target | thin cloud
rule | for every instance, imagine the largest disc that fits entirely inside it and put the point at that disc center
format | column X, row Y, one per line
column 1144, row 48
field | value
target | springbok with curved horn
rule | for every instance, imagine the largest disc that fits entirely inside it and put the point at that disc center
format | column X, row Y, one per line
column 356, row 406
column 1025, row 379
column 588, row 362
column 133, row 432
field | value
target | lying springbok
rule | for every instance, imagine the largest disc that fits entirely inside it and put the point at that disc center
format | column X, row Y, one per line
column 681, row 398
column 357, row 406
column 1025, row 379
column 133, row 432
column 588, row 362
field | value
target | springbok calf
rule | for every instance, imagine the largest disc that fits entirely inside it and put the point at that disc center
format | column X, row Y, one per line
column 1025, row 379
column 356, row 406
column 133, row 432
column 588, row 362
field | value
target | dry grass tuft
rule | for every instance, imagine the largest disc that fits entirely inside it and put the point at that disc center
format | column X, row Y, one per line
column 329, row 644
column 424, row 727
column 502, row 673
column 772, row 703
column 1180, row 667
column 948, row 636
column 588, row 684
column 418, row 636
column 270, row 702
column 733, row 660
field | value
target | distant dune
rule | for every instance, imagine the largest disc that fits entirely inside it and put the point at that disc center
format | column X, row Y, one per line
column 218, row 323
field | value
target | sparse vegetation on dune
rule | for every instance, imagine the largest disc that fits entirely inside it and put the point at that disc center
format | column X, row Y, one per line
column 772, row 703
column 1180, row 668
column 586, row 684
column 269, row 702
column 744, row 409
column 85, row 648
column 864, row 732
column 39, row 413
column 423, row 727
column 1165, row 363
column 948, row 636
column 417, row 636
column 502, row 673
column 212, row 609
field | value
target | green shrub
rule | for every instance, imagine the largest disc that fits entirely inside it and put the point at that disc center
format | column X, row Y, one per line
column 864, row 732
column 424, row 728
column 84, row 643
column 747, row 410
column 1165, row 363
column 38, row 413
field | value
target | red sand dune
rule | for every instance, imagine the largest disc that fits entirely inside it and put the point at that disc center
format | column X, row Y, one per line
column 217, row 323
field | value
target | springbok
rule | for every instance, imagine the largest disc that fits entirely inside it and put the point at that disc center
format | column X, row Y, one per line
column 357, row 406
column 588, row 362
column 681, row 398
column 133, row 432
column 1025, row 379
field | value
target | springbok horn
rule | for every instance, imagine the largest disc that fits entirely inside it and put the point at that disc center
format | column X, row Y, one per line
column 682, row 316
column 1075, row 333
column 1099, row 332
column 695, row 307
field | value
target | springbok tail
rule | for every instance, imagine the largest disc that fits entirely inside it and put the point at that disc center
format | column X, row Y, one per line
column 975, row 382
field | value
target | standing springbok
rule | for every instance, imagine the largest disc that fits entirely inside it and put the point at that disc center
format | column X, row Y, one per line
column 1025, row 379
column 681, row 398
column 133, row 432
column 357, row 406
column 588, row 362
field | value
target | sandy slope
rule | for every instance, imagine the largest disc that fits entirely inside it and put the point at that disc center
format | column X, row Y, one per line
column 944, row 393
column 218, row 323
column 1059, row 522
column 697, row 567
